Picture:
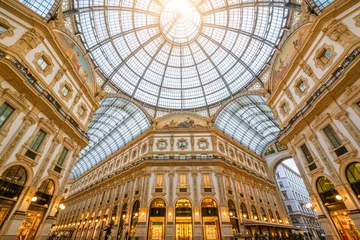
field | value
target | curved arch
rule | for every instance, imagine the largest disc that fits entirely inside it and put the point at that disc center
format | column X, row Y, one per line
column 46, row 185
column 316, row 177
column 29, row 171
column 179, row 198
column 244, row 210
column 234, row 120
column 272, row 166
column 216, row 202
column 115, row 123
column 343, row 166
column 154, row 198
column 56, row 183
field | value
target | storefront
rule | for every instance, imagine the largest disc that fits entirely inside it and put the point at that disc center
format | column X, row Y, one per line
column 183, row 220
column 134, row 219
column 157, row 220
column 233, row 217
column 123, row 215
column 337, row 209
column 36, row 211
column 12, row 183
column 210, row 219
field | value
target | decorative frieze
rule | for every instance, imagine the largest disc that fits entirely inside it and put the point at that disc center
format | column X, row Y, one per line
column 30, row 40
column 340, row 33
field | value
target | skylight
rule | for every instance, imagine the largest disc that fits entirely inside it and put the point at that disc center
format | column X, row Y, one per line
column 180, row 54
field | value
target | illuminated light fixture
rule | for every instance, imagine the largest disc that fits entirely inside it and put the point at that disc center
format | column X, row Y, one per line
column 244, row 215
column 231, row 213
column 280, row 220
column 264, row 218
column 124, row 216
column 344, row 213
column 273, row 220
column 142, row 214
column 224, row 213
column 73, row 224
column 309, row 205
column 104, row 219
column 84, row 222
column 197, row 214
column 90, row 221
column 338, row 197
column 78, row 223
column 287, row 222
column 62, row 206
column 136, row 214
column 96, row 220
column 169, row 213
column 255, row 217
column 113, row 218
column 34, row 199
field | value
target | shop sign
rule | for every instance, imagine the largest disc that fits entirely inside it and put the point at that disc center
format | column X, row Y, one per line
column 9, row 190
column 157, row 212
column 183, row 212
column 42, row 199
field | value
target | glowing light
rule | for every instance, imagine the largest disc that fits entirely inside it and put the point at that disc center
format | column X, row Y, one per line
column 124, row 216
column 231, row 213
column 338, row 197
column 96, row 220
column 169, row 213
column 197, row 214
column 244, row 215
column 308, row 205
column 62, row 206
column 264, row 218
column 143, row 214
column 136, row 214
column 33, row 199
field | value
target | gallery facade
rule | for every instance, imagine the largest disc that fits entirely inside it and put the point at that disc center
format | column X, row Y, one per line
column 166, row 119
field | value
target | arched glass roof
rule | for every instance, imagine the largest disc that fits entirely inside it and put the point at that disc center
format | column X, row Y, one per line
column 250, row 121
column 181, row 54
column 41, row 7
column 115, row 123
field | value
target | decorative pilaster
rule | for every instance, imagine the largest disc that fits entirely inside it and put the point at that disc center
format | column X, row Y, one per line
column 55, row 143
column 301, row 170
column 349, row 125
column 313, row 138
column 308, row 70
column 9, row 149
column 220, row 184
column 171, row 179
column 60, row 73
column 195, row 191
column 73, row 160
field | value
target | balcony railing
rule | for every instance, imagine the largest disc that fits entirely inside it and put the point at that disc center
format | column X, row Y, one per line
column 41, row 90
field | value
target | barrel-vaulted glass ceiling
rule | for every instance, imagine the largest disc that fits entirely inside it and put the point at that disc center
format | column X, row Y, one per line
column 181, row 54
column 115, row 123
column 250, row 121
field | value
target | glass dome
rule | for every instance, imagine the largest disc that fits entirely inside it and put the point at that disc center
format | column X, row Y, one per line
column 181, row 54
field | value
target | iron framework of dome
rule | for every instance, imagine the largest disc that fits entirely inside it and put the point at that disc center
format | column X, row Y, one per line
column 181, row 54
column 115, row 124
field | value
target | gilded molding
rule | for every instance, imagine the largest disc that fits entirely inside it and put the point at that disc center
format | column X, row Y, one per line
column 340, row 33
column 297, row 89
column 69, row 87
column 30, row 40
column 9, row 29
column 319, row 53
column 48, row 70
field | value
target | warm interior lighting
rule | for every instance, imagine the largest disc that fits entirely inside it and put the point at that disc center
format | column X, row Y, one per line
column 255, row 217
column 273, row 220
column 338, row 197
column 124, row 216
column 197, row 214
column 96, row 220
column 33, row 199
column 231, row 213
column 244, row 215
column 264, row 218
column 143, row 214
column 224, row 213
column 169, row 213
column 136, row 214
column 309, row 205
column 62, row 206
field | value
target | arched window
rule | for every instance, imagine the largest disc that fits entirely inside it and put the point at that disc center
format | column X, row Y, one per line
column 208, row 202
column 277, row 215
column 244, row 211
column 353, row 176
column 158, row 203
column 254, row 212
column 47, row 187
column 134, row 217
column 263, row 214
column 15, row 174
column 271, row 215
column 323, row 184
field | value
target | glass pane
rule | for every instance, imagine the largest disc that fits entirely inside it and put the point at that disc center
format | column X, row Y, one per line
column 2, row 29
column 332, row 136
column 62, row 156
column 41, row 7
column 37, row 141
column 5, row 112
column 181, row 54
